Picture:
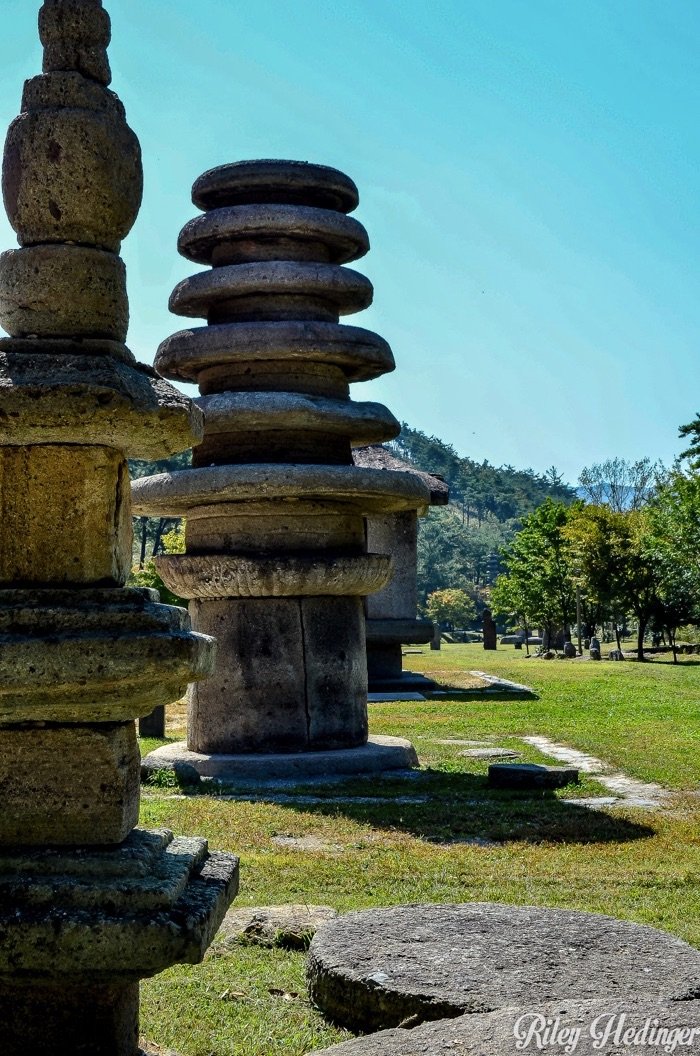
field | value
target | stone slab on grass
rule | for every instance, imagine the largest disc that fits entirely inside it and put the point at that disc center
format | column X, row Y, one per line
column 531, row 776
column 490, row 753
column 508, row 1032
column 378, row 968
column 292, row 927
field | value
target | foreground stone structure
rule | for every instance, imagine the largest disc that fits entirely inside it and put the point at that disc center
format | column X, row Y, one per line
column 378, row 968
column 392, row 619
column 590, row 1026
column 88, row 904
column 277, row 564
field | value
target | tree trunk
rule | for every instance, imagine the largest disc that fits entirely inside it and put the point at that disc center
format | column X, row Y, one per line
column 617, row 636
column 144, row 526
column 640, row 640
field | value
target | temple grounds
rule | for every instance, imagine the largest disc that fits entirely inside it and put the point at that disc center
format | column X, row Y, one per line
column 443, row 836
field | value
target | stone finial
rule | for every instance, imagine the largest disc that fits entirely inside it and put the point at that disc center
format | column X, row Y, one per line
column 75, row 35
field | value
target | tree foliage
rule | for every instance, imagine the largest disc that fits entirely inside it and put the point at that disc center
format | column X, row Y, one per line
column 451, row 607
column 619, row 484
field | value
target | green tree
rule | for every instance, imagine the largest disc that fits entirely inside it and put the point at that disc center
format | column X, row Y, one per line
column 450, row 607
column 539, row 582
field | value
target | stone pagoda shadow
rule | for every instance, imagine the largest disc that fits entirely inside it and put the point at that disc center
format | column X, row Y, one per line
column 450, row 809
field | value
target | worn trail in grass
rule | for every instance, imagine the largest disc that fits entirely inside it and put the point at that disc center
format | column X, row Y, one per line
column 464, row 842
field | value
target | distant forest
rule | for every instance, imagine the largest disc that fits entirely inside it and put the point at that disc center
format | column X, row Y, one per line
column 459, row 544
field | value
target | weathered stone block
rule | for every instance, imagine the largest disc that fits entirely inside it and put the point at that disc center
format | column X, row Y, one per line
column 524, row 776
column 75, row 35
column 63, row 291
column 65, row 514
column 68, row 784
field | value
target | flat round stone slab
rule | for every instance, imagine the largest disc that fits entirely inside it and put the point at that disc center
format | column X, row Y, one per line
column 343, row 290
column 508, row 1032
column 378, row 755
column 375, row 969
column 365, row 490
column 243, row 232
column 361, row 354
column 254, row 412
column 270, row 180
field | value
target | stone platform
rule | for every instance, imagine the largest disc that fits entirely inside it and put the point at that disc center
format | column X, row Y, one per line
column 379, row 755
column 376, row 969
column 602, row 1025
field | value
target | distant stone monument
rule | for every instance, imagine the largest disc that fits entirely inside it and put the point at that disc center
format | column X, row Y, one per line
column 277, row 564
column 89, row 903
column 392, row 619
column 490, row 640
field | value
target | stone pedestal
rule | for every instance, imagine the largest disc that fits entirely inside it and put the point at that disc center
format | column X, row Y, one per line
column 88, row 904
column 277, row 562
column 391, row 613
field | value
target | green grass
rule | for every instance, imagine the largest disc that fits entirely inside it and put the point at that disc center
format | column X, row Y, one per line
column 643, row 866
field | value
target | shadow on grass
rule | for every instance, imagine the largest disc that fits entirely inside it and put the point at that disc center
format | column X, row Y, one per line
column 461, row 807
column 457, row 693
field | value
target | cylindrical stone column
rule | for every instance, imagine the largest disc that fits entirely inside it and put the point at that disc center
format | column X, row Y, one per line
column 277, row 564
column 89, row 904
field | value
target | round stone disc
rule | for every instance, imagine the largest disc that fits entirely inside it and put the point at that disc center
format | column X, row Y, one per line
column 252, row 226
column 360, row 353
column 511, row 1031
column 269, row 180
column 343, row 290
column 363, row 490
column 378, row 968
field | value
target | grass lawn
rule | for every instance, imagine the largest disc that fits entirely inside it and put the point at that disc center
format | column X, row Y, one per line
column 443, row 836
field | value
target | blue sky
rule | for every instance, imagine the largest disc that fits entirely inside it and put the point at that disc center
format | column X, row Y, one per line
column 529, row 176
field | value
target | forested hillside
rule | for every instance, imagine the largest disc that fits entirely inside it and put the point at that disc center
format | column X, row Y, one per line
column 459, row 544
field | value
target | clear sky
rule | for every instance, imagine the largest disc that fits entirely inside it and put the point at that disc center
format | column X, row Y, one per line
column 529, row 176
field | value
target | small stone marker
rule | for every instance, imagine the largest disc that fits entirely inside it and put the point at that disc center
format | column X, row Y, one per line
column 490, row 639
column 378, row 968
column 505, row 1031
column 292, row 927
column 531, row 776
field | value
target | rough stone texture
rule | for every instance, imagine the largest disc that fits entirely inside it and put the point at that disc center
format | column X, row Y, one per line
column 172, row 495
column 590, row 1026
column 229, row 576
column 378, row 968
column 99, row 399
column 288, row 675
column 232, row 235
column 79, row 784
column 61, row 185
column 531, row 776
column 392, row 612
column 75, row 35
column 234, row 413
column 359, row 354
column 89, row 511
column 93, row 655
column 291, row 926
column 63, row 291
column 379, row 755
column 87, row 905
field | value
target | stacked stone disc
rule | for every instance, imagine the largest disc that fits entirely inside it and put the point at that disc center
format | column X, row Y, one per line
column 88, row 904
column 276, row 562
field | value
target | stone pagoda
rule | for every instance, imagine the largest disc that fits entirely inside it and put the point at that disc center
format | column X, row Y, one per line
column 392, row 619
column 88, row 903
column 277, row 564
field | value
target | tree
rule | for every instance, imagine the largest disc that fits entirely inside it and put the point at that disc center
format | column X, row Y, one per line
column 450, row 607
column 539, row 582
column 692, row 430
column 673, row 544
column 619, row 484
